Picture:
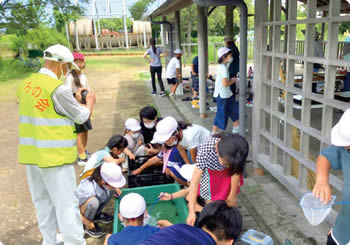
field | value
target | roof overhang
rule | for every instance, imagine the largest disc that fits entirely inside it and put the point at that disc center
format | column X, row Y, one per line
column 168, row 7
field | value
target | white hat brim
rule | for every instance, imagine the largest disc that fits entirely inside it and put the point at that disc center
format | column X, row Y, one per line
column 118, row 184
column 160, row 139
column 337, row 137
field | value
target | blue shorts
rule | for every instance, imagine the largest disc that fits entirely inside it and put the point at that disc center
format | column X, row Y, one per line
column 195, row 83
column 226, row 108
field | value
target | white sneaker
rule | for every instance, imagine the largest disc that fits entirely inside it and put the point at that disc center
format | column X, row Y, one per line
column 59, row 238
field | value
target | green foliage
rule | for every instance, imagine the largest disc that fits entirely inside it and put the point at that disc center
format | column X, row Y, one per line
column 344, row 27
column 115, row 24
column 40, row 38
column 139, row 8
column 23, row 17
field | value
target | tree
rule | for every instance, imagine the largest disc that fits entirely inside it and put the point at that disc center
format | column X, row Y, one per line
column 115, row 24
column 188, row 23
column 138, row 9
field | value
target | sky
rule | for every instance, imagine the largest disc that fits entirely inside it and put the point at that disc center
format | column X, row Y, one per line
column 116, row 6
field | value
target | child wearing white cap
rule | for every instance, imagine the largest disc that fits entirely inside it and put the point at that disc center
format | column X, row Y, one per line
column 336, row 156
column 95, row 192
column 173, row 71
column 225, row 99
column 178, row 138
column 132, row 213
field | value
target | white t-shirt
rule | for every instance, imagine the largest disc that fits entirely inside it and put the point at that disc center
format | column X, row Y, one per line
column 71, row 84
column 174, row 64
column 193, row 136
column 221, row 73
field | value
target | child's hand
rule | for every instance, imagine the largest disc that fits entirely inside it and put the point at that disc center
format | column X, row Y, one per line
column 137, row 171
column 90, row 226
column 118, row 192
column 163, row 223
column 323, row 191
column 120, row 160
column 150, row 150
column 132, row 157
column 164, row 196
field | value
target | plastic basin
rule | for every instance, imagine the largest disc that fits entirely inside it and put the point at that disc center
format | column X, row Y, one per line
column 175, row 211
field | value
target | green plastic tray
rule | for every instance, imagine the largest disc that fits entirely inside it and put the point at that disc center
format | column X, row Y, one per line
column 150, row 194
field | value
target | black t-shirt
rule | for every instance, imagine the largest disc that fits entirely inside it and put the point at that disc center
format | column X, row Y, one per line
column 148, row 133
column 180, row 234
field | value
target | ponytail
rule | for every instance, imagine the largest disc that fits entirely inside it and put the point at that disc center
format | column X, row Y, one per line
column 153, row 44
column 76, row 78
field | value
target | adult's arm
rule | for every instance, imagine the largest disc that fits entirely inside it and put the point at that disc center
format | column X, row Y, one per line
column 193, row 72
column 193, row 153
column 66, row 105
column 192, row 196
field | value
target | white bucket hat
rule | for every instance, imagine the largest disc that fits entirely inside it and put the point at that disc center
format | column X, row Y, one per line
column 132, row 205
column 178, row 51
column 112, row 174
column 222, row 51
column 164, row 130
column 59, row 53
column 187, row 170
column 132, row 124
column 340, row 135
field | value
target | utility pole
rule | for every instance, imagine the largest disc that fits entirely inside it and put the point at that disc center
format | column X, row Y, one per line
column 125, row 27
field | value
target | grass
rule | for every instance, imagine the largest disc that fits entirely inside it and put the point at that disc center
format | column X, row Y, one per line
column 115, row 51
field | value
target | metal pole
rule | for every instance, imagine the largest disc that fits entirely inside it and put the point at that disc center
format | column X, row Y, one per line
column 162, row 35
column 125, row 27
column 177, row 30
column 67, row 33
column 94, row 23
column 77, row 46
column 202, row 56
column 144, row 35
column 243, row 67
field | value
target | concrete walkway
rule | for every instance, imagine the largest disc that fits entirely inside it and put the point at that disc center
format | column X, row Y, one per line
column 265, row 204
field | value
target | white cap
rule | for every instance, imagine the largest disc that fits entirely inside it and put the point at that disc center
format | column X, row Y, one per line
column 222, row 51
column 132, row 205
column 112, row 174
column 59, row 53
column 178, row 51
column 164, row 130
column 132, row 124
column 187, row 170
column 340, row 135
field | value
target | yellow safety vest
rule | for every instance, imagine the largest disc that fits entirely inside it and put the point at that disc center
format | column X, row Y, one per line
column 46, row 139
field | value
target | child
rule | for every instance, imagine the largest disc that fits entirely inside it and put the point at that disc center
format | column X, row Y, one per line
column 220, row 163
column 77, row 80
column 225, row 99
column 132, row 213
column 136, row 145
column 173, row 71
column 148, row 122
column 337, row 157
column 95, row 192
column 194, row 76
column 115, row 146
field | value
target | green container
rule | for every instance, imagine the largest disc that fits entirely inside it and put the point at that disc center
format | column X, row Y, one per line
column 175, row 210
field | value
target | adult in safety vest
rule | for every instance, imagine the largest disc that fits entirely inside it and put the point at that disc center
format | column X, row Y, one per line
column 47, row 145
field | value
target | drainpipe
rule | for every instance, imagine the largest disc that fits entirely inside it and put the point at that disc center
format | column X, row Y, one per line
column 243, row 53
column 164, row 22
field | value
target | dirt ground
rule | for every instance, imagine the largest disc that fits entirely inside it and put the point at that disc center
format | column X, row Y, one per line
column 120, row 94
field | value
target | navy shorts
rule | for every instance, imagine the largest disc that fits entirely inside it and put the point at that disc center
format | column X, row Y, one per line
column 226, row 108
column 195, row 83
column 172, row 80
column 175, row 162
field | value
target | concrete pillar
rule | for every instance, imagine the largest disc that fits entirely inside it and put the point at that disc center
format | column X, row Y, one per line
column 202, row 22
column 162, row 37
column 164, row 40
column 177, row 30
column 229, row 21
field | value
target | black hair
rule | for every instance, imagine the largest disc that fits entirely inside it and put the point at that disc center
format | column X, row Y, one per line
column 117, row 141
column 183, row 125
column 76, row 78
column 234, row 149
column 148, row 112
column 223, row 221
column 221, row 59
column 96, row 175
column 153, row 44
column 139, row 219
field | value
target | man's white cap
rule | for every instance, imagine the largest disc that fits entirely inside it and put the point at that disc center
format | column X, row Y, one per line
column 132, row 124
column 164, row 130
column 132, row 205
column 112, row 174
column 340, row 135
column 222, row 51
column 187, row 170
column 178, row 51
column 59, row 53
